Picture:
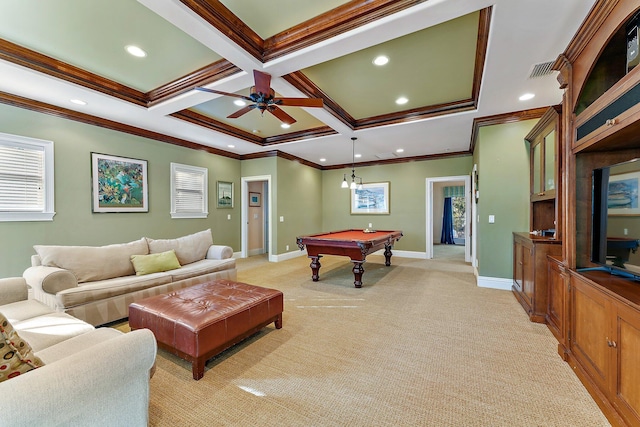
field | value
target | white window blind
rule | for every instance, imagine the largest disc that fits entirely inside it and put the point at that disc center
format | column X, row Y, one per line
column 26, row 179
column 188, row 191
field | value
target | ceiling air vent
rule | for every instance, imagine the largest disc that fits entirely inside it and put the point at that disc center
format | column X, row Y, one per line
column 542, row 69
column 386, row 156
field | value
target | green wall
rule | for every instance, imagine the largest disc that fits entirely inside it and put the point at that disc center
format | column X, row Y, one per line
column 407, row 194
column 300, row 203
column 75, row 224
column 502, row 156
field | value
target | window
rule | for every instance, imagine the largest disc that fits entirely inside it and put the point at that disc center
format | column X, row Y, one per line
column 188, row 191
column 26, row 179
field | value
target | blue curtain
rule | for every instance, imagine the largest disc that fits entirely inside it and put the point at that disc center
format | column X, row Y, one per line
column 447, row 223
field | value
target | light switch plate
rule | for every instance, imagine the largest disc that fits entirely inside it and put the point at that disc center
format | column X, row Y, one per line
column 492, row 219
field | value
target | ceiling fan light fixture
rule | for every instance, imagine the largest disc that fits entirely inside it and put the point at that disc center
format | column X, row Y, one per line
column 135, row 51
column 380, row 60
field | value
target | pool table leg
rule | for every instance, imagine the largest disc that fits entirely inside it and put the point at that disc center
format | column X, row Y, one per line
column 315, row 267
column 358, row 269
column 387, row 255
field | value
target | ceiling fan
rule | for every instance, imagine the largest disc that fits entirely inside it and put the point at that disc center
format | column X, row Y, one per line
column 263, row 98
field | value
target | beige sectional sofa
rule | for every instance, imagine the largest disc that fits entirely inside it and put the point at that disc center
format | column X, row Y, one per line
column 97, row 283
column 97, row 377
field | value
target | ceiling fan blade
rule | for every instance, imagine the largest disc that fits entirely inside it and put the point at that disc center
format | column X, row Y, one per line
column 262, row 82
column 281, row 115
column 235, row 95
column 299, row 102
column 241, row 111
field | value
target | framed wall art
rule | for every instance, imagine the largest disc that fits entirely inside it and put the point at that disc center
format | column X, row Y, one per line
column 373, row 198
column 254, row 199
column 225, row 194
column 119, row 184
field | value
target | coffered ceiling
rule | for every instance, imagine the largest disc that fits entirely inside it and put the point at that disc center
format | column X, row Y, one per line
column 452, row 60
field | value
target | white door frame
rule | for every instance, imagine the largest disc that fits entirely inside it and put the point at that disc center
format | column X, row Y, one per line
column 467, row 212
column 244, row 214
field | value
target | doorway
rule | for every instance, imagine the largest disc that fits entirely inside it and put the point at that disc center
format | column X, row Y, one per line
column 460, row 201
column 256, row 234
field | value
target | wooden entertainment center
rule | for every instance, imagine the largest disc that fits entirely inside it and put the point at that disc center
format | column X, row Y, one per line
column 594, row 315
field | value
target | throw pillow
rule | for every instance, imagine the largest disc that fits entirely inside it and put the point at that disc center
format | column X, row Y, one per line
column 155, row 263
column 16, row 355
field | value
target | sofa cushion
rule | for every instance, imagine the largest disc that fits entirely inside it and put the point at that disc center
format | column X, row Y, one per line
column 76, row 344
column 155, row 263
column 202, row 267
column 188, row 249
column 89, row 263
column 103, row 289
column 48, row 329
column 16, row 355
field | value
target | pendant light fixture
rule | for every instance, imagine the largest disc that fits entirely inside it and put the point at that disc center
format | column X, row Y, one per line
column 356, row 181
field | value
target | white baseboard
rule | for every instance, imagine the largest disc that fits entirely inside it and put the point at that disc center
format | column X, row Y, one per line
column 403, row 254
column 287, row 255
column 495, row 283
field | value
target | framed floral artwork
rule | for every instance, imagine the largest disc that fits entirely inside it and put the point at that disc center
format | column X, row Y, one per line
column 119, row 184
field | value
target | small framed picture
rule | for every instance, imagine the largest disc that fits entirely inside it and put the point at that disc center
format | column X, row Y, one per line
column 225, row 194
column 254, row 199
column 119, row 184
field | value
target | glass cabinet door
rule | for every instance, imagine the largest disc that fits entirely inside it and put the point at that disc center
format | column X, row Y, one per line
column 550, row 161
column 537, row 168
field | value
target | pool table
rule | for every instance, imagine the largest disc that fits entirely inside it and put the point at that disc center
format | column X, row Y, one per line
column 356, row 244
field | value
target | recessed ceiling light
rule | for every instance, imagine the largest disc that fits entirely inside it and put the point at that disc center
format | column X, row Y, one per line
column 231, row 146
column 135, row 51
column 285, row 126
column 323, row 159
column 400, row 150
column 78, row 101
column 526, row 97
column 357, row 156
column 239, row 102
column 256, row 131
column 380, row 60
column 402, row 100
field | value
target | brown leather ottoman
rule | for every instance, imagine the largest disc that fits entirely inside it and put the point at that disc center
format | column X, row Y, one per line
column 199, row 322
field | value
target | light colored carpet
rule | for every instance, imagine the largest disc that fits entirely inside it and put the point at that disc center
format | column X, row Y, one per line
column 418, row 345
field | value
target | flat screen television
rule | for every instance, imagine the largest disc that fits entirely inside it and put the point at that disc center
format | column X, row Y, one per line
column 615, row 233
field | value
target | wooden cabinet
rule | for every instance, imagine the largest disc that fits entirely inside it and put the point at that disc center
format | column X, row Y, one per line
column 605, row 342
column 601, row 126
column 545, row 158
column 530, row 272
column 558, row 302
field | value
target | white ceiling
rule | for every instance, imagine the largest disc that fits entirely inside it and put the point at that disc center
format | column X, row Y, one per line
column 522, row 33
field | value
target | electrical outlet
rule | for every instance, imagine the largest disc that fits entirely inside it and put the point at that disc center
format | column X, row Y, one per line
column 281, row 219
column 287, row 248
column 492, row 219
column 229, row 216
column 370, row 225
